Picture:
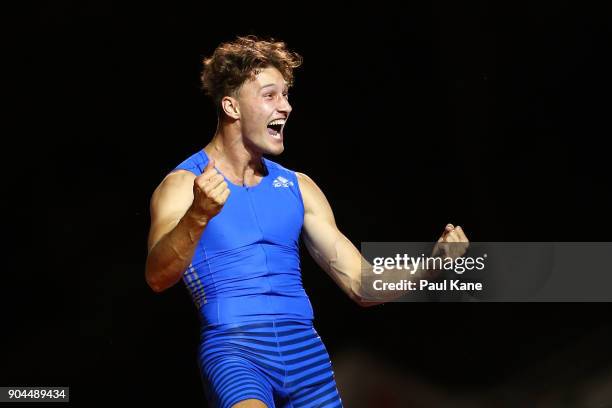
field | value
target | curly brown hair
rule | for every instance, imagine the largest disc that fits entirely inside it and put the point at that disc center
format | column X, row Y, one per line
column 232, row 63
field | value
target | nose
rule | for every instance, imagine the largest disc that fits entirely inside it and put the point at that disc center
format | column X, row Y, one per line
column 284, row 105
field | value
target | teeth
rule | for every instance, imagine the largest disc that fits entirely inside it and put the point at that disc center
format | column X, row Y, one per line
column 277, row 122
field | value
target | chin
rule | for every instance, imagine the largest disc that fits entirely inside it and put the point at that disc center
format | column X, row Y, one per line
column 275, row 150
column 273, row 146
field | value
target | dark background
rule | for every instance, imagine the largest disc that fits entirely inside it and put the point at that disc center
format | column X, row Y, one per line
column 487, row 115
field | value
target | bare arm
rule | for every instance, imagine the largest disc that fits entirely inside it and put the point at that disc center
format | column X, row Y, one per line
column 337, row 255
column 181, row 207
column 331, row 250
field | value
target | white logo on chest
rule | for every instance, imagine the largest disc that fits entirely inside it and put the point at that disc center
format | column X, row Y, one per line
column 281, row 182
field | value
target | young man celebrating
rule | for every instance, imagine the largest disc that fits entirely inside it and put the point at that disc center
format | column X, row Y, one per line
column 228, row 221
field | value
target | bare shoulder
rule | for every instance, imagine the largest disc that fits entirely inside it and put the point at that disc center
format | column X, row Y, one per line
column 308, row 187
column 303, row 179
column 306, row 181
column 177, row 179
column 169, row 202
column 174, row 182
column 313, row 197
column 174, row 191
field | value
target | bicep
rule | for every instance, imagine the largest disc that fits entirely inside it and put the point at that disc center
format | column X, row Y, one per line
column 169, row 202
column 332, row 251
column 319, row 221
column 320, row 232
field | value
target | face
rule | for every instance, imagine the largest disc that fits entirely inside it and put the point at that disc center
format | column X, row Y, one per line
column 264, row 108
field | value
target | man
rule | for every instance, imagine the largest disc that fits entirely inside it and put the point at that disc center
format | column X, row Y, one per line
column 227, row 221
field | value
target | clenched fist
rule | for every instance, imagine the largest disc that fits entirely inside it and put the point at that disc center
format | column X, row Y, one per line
column 210, row 192
column 452, row 244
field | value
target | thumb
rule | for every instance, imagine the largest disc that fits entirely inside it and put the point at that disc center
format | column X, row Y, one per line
column 209, row 166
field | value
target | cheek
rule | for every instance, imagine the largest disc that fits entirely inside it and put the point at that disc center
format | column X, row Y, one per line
column 261, row 116
column 257, row 114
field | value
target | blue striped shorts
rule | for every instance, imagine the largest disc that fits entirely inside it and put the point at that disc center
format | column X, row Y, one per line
column 282, row 363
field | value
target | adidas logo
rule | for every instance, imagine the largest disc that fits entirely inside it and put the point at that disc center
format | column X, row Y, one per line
column 281, row 182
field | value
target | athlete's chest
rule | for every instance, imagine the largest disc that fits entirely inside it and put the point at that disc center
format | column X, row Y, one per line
column 271, row 211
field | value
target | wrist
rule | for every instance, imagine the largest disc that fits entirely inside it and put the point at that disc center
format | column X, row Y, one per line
column 197, row 217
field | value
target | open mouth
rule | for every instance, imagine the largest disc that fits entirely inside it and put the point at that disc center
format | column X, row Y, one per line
column 275, row 128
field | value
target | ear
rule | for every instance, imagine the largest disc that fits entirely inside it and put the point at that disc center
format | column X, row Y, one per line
column 230, row 107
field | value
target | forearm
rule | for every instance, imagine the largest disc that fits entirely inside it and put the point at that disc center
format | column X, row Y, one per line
column 372, row 289
column 356, row 275
column 172, row 254
column 337, row 255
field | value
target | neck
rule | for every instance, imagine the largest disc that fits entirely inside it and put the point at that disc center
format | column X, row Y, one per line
column 235, row 160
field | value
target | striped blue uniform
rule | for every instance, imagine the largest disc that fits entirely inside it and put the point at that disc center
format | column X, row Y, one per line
column 257, row 338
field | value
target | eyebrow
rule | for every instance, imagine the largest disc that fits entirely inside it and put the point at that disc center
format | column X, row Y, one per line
column 269, row 85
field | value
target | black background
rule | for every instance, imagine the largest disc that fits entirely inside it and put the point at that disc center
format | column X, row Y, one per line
column 487, row 115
